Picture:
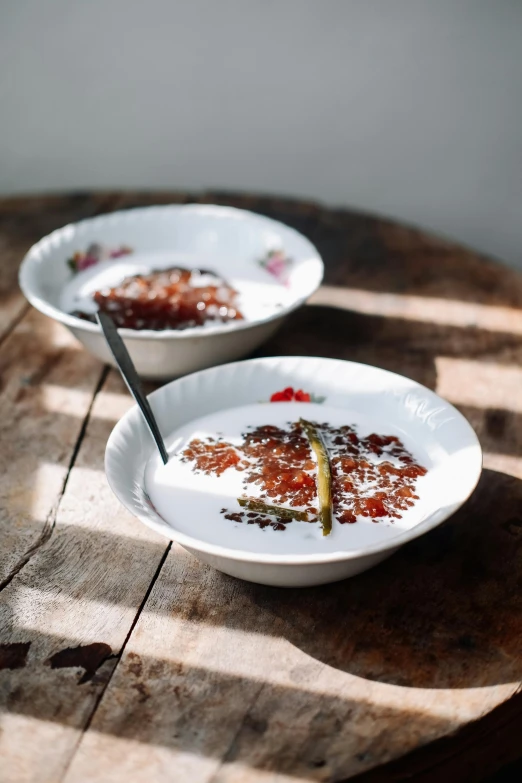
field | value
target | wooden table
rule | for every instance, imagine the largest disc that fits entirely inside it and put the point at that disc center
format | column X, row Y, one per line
column 124, row 659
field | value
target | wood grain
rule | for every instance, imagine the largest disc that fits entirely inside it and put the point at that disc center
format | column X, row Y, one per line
column 46, row 388
column 46, row 384
column 227, row 681
column 408, row 672
column 73, row 603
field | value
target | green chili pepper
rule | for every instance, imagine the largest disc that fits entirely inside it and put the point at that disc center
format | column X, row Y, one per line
column 324, row 476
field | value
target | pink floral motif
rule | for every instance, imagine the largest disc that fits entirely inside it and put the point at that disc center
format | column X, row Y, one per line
column 94, row 254
column 277, row 264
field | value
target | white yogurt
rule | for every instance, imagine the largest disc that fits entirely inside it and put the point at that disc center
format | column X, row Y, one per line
column 191, row 502
column 255, row 299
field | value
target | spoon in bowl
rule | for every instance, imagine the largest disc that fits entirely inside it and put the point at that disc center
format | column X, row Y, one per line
column 131, row 378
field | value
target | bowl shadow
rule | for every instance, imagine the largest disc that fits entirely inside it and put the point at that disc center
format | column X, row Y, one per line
column 444, row 612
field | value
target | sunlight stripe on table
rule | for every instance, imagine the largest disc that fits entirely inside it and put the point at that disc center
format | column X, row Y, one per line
column 31, row 748
column 503, row 463
column 230, row 652
column 109, row 406
column 481, row 384
column 425, row 309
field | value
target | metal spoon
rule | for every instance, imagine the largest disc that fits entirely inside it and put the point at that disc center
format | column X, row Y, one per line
column 131, row 378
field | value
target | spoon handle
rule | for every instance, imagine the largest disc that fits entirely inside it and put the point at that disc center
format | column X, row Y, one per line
column 131, row 378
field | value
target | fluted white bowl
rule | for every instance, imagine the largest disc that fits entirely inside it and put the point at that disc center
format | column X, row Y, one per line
column 435, row 430
column 233, row 242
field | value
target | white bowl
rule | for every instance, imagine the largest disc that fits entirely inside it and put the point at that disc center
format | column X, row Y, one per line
column 233, row 242
column 435, row 432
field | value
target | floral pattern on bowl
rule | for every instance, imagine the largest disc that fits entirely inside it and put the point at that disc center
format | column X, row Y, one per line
column 159, row 235
column 94, row 254
column 277, row 264
column 291, row 395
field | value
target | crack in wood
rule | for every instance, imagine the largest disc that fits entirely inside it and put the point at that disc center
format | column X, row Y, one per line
column 50, row 520
column 117, row 657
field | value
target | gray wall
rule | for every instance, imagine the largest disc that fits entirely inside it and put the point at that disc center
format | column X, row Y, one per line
column 407, row 107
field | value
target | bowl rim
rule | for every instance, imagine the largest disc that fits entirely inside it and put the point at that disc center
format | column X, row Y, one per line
column 49, row 242
column 163, row 528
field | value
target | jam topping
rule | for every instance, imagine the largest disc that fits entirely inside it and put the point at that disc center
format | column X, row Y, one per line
column 212, row 456
column 174, row 298
column 373, row 477
column 281, row 465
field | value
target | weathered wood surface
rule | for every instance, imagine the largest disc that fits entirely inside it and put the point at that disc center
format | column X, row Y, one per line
column 123, row 659
column 46, row 388
column 73, row 604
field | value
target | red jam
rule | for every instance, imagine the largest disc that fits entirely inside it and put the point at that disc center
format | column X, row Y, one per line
column 365, row 486
column 212, row 456
column 372, row 477
column 281, row 465
column 168, row 299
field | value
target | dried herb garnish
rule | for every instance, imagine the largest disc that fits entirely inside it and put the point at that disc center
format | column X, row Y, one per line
column 253, row 504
